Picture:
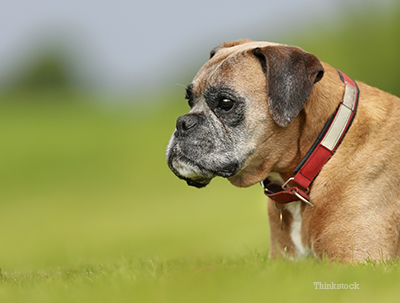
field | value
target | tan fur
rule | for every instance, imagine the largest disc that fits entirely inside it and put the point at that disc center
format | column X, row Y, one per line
column 356, row 195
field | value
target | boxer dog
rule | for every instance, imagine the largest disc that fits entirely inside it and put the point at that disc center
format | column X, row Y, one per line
column 259, row 108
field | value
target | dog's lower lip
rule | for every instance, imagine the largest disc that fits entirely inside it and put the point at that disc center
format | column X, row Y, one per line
column 198, row 183
column 229, row 172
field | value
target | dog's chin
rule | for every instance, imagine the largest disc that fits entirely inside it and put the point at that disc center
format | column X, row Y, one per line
column 193, row 174
column 199, row 183
column 198, row 176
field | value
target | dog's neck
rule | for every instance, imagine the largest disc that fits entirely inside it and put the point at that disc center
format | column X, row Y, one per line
column 320, row 104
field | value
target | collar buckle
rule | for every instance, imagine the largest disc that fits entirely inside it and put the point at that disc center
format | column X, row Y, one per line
column 301, row 198
column 282, row 193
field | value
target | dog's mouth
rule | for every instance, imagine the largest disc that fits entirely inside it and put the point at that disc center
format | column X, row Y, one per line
column 198, row 175
column 228, row 170
column 202, row 182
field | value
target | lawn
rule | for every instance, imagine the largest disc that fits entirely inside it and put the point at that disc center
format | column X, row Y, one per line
column 91, row 213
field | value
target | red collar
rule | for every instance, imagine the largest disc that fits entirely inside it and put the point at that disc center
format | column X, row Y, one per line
column 321, row 151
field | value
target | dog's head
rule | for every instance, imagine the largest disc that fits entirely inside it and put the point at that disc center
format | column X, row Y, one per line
column 244, row 102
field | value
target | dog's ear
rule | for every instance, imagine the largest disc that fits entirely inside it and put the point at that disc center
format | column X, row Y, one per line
column 227, row 44
column 291, row 74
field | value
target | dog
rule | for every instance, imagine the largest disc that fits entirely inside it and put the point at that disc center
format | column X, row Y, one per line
column 260, row 109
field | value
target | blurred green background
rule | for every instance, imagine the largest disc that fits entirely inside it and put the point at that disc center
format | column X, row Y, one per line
column 83, row 176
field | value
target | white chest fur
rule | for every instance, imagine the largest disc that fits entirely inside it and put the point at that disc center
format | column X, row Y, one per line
column 295, row 229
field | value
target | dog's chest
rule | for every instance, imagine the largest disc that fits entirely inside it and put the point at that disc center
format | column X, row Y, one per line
column 295, row 229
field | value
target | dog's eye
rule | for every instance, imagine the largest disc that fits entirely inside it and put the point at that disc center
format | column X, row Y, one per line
column 226, row 104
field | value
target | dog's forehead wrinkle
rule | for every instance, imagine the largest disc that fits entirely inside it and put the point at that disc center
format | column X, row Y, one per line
column 224, row 73
column 210, row 70
column 231, row 57
column 221, row 70
column 214, row 69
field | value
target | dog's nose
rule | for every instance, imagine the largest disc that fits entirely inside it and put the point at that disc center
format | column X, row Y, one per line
column 186, row 123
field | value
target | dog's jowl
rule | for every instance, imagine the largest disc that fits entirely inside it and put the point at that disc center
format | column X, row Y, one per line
column 258, row 108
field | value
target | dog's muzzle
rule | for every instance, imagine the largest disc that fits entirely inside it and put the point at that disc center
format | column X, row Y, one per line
column 193, row 154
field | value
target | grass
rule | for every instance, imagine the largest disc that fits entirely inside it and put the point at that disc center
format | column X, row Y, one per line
column 249, row 278
column 91, row 213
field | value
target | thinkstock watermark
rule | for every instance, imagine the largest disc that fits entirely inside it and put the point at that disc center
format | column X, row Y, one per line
column 324, row 285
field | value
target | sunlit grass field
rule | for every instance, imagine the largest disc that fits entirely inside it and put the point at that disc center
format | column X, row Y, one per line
column 90, row 212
